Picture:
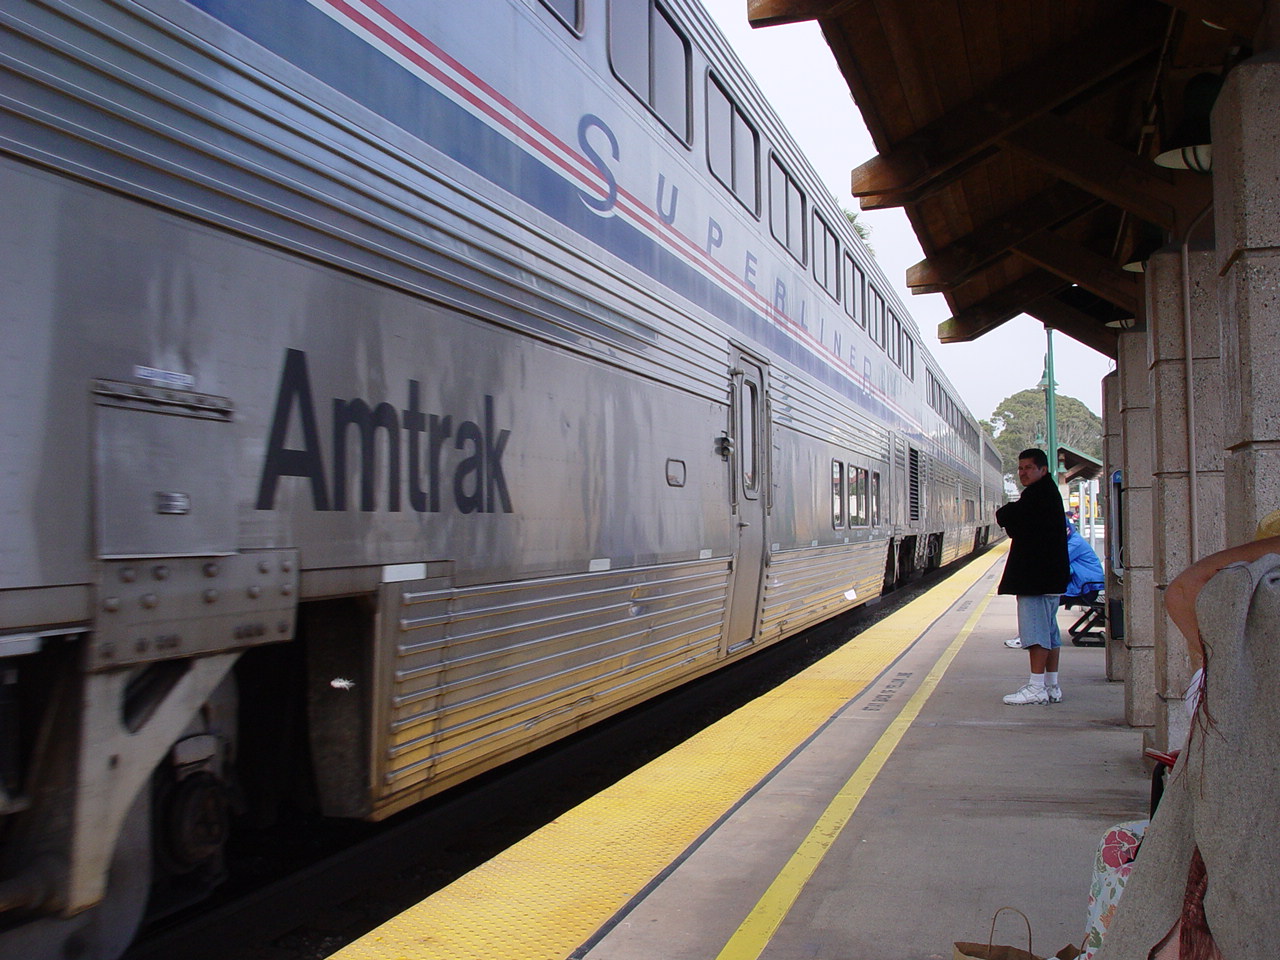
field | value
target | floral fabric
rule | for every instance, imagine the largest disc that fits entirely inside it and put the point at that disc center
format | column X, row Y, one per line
column 1111, row 868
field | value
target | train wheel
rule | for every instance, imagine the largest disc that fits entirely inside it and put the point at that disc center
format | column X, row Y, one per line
column 193, row 822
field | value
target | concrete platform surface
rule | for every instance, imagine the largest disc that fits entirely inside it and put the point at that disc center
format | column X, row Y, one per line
column 979, row 805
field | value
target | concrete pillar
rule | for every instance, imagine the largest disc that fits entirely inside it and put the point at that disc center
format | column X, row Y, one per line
column 1137, row 464
column 1246, row 160
column 1112, row 459
column 1178, row 414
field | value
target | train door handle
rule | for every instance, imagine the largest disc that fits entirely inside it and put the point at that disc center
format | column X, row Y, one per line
column 743, row 523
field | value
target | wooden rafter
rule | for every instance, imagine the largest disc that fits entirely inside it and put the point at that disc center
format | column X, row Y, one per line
column 1011, row 102
column 1105, row 169
column 1076, row 324
column 963, row 258
column 928, row 189
column 1081, row 266
column 769, row 13
column 1003, row 305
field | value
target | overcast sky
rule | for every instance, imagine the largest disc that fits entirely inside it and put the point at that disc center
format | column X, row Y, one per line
column 795, row 69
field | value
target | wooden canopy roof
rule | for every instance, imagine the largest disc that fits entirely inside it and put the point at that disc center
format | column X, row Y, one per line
column 1019, row 136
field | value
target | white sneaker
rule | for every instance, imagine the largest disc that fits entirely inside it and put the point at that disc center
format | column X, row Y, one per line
column 1014, row 644
column 1028, row 694
column 1055, row 693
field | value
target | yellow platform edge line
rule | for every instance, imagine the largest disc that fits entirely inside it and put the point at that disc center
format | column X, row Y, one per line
column 754, row 934
column 549, row 893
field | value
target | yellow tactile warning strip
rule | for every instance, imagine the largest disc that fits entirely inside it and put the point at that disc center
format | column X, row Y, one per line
column 754, row 934
column 549, row 893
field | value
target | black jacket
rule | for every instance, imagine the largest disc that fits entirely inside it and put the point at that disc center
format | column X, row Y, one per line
column 1036, row 523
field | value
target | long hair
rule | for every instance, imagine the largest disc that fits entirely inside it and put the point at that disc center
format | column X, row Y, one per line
column 1194, row 938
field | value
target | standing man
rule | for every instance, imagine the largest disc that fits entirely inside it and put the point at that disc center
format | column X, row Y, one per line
column 1037, row 571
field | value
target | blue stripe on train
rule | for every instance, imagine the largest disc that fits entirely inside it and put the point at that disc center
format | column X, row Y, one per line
column 296, row 31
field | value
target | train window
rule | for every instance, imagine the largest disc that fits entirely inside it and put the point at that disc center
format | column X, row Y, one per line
column 747, row 437
column 854, row 279
column 651, row 56
column 875, row 315
column 908, row 357
column 826, row 256
column 746, row 162
column 993, row 458
column 873, row 497
column 786, row 209
column 720, row 110
column 893, row 336
column 858, row 490
column 837, row 493
column 569, row 12
column 629, row 21
column 671, row 81
column 733, row 146
column 857, row 508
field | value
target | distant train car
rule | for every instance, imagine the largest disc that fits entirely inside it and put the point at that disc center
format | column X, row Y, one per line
column 391, row 388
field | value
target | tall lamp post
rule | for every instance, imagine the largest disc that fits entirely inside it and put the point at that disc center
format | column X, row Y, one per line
column 1050, row 405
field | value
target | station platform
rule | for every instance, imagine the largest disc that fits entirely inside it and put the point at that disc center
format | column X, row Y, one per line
column 880, row 805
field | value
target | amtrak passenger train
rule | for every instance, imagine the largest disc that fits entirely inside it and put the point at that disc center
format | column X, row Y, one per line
column 391, row 387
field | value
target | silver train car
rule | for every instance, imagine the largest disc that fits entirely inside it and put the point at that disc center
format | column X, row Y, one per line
column 390, row 388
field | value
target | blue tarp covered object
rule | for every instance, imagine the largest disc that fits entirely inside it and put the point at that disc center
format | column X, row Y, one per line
column 1086, row 568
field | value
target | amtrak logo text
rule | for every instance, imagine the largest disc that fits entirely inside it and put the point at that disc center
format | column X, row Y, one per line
column 444, row 465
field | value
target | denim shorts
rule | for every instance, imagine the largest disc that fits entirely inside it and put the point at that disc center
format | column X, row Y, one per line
column 1038, row 621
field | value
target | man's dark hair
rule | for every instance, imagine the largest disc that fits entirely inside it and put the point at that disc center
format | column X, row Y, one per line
column 1035, row 455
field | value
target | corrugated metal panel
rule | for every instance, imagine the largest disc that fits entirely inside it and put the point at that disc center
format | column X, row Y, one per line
column 476, row 669
column 804, row 587
column 957, row 544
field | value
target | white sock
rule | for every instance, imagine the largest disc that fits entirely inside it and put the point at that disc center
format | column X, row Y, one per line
column 1051, row 679
column 1037, row 681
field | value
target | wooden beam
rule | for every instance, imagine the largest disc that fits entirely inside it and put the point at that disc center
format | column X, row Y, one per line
column 1081, row 266
column 1010, row 102
column 769, row 13
column 1241, row 17
column 1168, row 199
column 1005, row 304
column 926, row 190
column 1100, row 166
column 1076, row 324
column 964, row 257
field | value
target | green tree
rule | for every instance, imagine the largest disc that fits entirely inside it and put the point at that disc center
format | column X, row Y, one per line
column 861, row 229
column 1018, row 422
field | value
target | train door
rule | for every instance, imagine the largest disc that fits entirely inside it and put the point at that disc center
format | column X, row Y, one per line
column 749, row 462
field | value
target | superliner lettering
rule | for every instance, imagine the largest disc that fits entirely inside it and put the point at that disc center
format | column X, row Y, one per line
column 587, row 123
column 788, row 303
column 478, row 482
